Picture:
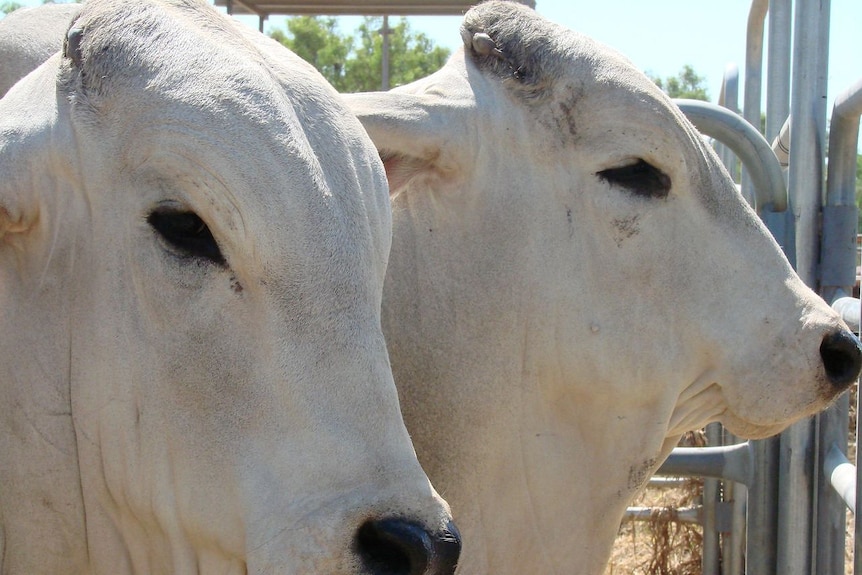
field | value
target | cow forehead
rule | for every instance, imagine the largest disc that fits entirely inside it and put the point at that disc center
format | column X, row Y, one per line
column 156, row 54
column 571, row 80
column 200, row 106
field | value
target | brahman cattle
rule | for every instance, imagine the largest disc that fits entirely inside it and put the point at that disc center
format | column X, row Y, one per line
column 574, row 282
column 193, row 241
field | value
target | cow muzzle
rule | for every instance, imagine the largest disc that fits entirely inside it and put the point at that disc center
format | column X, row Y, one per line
column 400, row 547
column 841, row 353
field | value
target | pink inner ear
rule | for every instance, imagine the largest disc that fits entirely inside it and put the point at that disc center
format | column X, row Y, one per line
column 395, row 173
column 401, row 170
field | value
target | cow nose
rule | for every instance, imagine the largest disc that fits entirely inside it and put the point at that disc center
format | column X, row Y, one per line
column 398, row 547
column 842, row 357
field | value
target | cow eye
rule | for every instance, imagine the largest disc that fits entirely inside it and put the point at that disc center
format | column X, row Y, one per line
column 186, row 233
column 639, row 178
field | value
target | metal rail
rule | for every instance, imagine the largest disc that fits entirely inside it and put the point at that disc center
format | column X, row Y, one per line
column 741, row 137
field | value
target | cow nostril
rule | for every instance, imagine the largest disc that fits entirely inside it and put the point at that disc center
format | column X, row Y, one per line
column 842, row 357
column 394, row 547
column 399, row 547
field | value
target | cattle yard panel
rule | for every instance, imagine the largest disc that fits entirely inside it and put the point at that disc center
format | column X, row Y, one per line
column 800, row 484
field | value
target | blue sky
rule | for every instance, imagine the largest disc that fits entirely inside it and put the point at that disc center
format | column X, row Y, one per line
column 662, row 36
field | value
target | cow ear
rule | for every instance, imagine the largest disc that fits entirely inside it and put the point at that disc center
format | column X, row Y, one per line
column 415, row 134
column 34, row 150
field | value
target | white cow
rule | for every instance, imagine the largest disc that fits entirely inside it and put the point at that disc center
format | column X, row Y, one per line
column 193, row 240
column 574, row 282
column 29, row 36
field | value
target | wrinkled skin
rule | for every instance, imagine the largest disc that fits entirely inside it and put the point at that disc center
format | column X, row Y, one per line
column 175, row 403
column 556, row 318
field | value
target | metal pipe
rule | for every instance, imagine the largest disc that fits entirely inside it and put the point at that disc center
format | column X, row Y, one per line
column 729, row 98
column 754, row 62
column 778, row 66
column 762, row 528
column 747, row 143
column 830, row 514
column 793, row 554
column 753, row 77
column 657, row 482
column 710, row 556
column 796, row 505
column 736, row 537
column 677, row 514
column 730, row 462
column 849, row 308
column 781, row 144
column 836, row 278
column 843, row 142
column 781, row 225
column 838, row 248
column 842, row 476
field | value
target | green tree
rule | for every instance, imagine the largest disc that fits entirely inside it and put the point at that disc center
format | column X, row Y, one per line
column 411, row 56
column 7, row 7
column 859, row 175
column 686, row 84
column 354, row 63
column 316, row 40
column 859, row 189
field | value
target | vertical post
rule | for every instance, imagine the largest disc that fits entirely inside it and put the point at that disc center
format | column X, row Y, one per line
column 838, row 274
column 798, row 459
column 808, row 149
column 229, row 5
column 710, row 558
column 385, row 31
column 762, row 532
column 753, row 76
column 778, row 109
column 831, row 509
column 729, row 98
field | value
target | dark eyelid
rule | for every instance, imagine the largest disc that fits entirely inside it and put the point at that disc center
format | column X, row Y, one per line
column 639, row 178
column 186, row 233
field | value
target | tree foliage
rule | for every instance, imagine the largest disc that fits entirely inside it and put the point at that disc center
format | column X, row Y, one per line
column 686, row 84
column 7, row 7
column 859, row 175
column 316, row 40
column 859, row 189
column 354, row 63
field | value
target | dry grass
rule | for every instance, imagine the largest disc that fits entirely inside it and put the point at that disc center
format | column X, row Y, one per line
column 663, row 547
column 659, row 546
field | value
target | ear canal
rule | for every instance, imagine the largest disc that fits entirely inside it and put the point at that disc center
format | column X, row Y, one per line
column 414, row 133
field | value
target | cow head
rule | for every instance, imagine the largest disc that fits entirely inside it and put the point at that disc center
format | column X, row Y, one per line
column 193, row 240
column 574, row 282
